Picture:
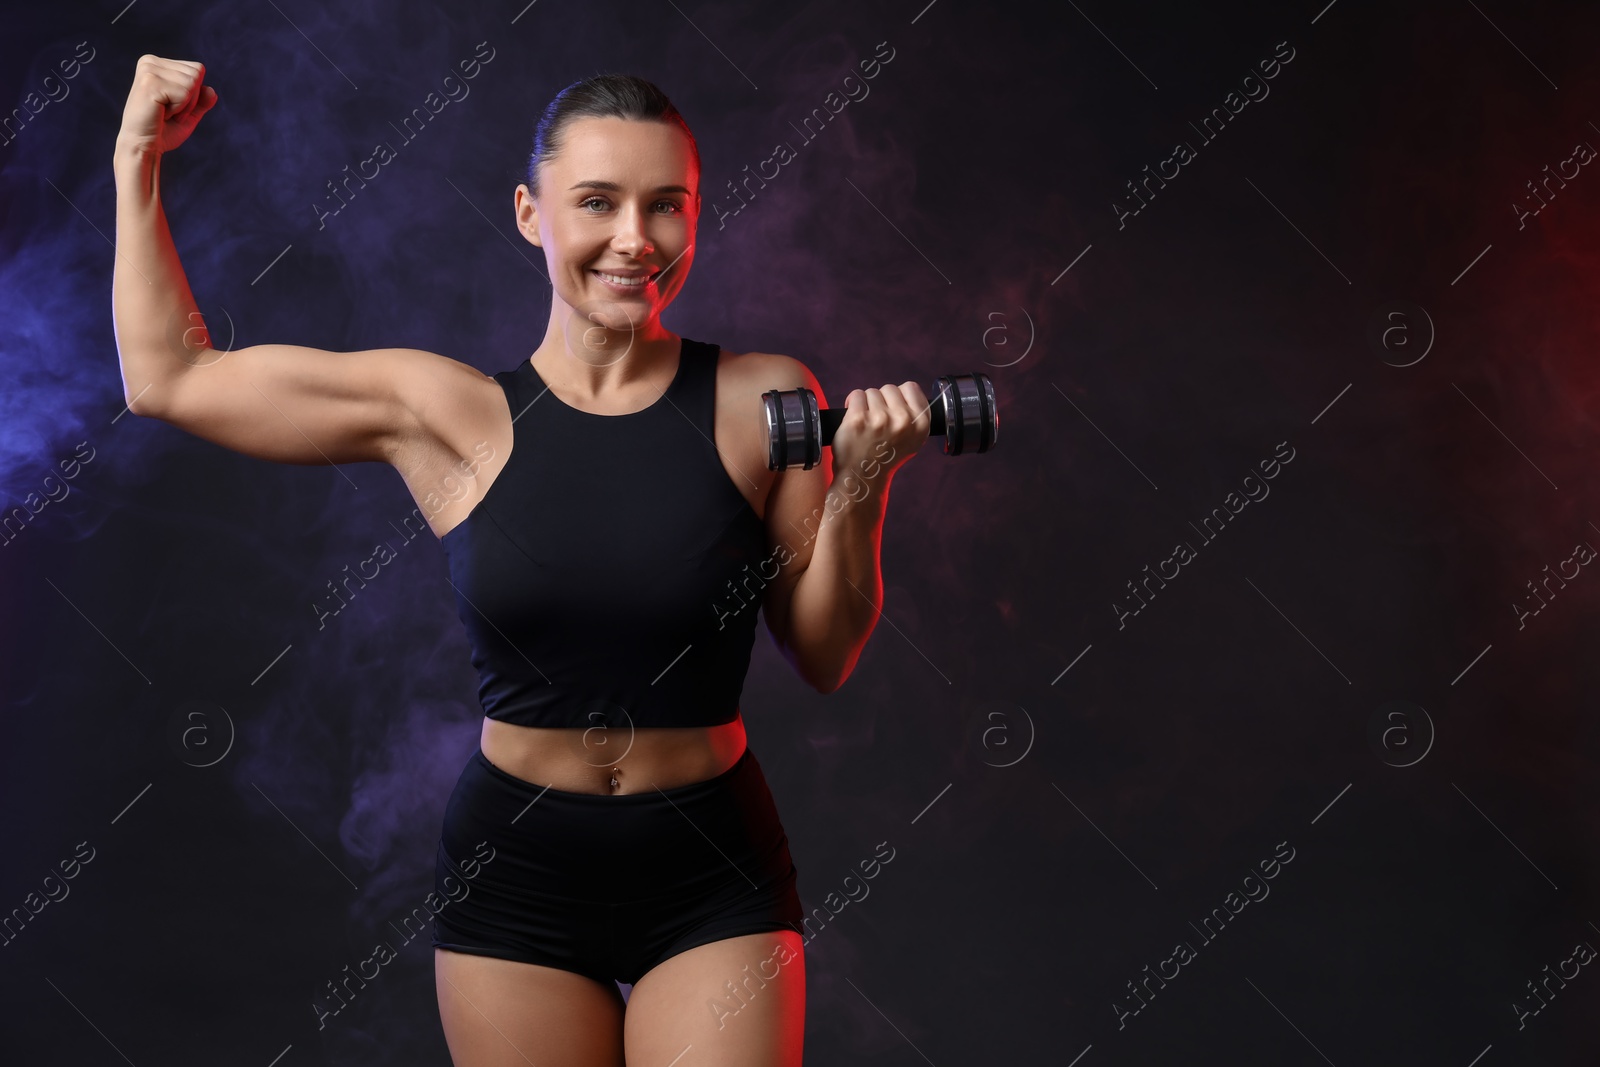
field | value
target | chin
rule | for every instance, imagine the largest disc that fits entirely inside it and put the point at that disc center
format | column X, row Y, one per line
column 612, row 315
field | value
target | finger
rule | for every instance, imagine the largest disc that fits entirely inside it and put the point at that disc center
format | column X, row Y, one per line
column 169, row 90
column 180, row 98
column 895, row 404
column 180, row 73
column 192, row 89
column 917, row 400
column 875, row 402
column 183, row 71
column 195, row 106
column 203, row 103
column 177, row 66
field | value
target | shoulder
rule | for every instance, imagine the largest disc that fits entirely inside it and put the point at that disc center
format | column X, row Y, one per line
column 447, row 401
column 422, row 374
column 760, row 371
column 440, row 391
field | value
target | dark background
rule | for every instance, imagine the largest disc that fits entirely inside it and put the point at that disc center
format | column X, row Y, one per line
column 1055, row 830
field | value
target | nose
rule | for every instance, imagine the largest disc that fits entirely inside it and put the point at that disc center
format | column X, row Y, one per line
column 630, row 237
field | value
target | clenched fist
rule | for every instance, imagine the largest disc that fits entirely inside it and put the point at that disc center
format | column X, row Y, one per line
column 165, row 103
column 881, row 430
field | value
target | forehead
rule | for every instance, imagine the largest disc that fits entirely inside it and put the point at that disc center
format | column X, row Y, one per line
column 626, row 151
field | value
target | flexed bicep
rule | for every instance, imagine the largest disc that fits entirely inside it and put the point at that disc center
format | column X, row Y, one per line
column 293, row 404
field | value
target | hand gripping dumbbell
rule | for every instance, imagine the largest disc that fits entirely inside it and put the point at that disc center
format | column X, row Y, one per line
column 963, row 410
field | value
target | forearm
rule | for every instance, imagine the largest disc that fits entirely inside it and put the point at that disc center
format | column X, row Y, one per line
column 158, row 327
column 837, row 599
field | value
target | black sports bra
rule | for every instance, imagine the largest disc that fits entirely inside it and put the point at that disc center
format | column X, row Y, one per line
column 608, row 576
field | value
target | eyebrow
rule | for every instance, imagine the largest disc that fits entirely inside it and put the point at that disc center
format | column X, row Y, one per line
column 613, row 187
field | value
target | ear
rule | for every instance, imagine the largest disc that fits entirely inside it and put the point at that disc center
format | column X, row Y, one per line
column 527, row 214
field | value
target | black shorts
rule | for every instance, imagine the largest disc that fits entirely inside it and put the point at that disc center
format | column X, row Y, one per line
column 610, row 885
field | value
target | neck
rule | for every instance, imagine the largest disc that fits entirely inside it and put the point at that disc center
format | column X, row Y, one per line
column 600, row 362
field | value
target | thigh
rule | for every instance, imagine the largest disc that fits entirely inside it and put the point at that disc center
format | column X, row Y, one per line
column 737, row 1002
column 505, row 1013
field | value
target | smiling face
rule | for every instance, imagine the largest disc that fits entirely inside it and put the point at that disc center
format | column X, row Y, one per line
column 615, row 215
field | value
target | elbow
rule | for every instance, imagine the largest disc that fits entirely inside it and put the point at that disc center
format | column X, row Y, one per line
column 816, row 675
column 821, row 664
column 142, row 402
column 825, row 681
column 137, row 403
column 150, row 375
column 152, row 396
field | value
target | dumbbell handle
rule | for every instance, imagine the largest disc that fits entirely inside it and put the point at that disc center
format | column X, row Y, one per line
column 833, row 417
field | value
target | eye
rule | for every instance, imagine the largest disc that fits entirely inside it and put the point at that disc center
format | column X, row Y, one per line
column 672, row 205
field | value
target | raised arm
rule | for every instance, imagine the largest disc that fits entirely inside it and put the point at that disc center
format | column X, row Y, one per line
column 825, row 600
column 278, row 402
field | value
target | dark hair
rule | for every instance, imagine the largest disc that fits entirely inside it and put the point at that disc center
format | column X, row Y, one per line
column 622, row 96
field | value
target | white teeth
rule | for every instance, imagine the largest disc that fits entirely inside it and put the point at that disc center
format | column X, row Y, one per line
column 617, row 280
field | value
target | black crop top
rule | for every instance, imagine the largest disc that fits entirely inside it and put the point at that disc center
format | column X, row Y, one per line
column 603, row 578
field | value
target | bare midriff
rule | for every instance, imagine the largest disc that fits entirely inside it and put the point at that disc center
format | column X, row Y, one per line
column 589, row 760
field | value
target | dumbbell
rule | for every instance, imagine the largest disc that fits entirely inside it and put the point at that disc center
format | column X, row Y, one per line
column 963, row 411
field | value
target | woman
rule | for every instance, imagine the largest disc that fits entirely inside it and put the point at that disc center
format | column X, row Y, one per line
column 618, row 530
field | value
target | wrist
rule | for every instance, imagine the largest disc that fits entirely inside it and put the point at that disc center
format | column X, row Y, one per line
column 854, row 496
column 134, row 149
